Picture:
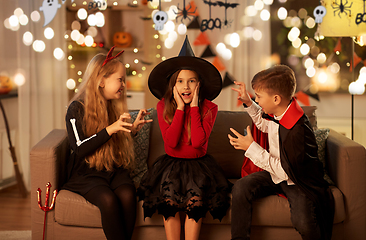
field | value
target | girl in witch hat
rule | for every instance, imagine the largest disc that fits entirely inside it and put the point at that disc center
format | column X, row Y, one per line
column 101, row 139
column 186, row 179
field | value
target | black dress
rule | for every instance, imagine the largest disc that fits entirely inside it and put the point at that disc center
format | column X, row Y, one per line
column 82, row 178
column 192, row 185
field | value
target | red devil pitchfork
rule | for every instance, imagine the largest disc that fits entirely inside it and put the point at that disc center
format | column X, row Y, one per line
column 46, row 208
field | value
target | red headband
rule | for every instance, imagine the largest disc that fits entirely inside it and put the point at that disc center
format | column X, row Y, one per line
column 109, row 55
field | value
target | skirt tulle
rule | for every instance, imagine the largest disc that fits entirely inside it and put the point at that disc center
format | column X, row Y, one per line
column 194, row 186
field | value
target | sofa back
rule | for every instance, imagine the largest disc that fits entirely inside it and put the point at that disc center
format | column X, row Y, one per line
column 228, row 158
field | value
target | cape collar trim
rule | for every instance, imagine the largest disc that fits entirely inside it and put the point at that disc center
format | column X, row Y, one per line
column 292, row 115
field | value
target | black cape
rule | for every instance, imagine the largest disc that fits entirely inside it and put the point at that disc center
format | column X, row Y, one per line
column 299, row 159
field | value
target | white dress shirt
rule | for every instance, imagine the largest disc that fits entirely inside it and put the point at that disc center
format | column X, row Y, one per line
column 269, row 161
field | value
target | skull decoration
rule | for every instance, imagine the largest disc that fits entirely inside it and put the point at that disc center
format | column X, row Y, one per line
column 319, row 13
column 160, row 18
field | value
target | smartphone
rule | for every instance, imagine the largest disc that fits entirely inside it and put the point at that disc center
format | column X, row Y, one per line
column 245, row 132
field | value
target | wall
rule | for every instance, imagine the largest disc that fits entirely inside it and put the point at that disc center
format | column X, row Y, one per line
column 334, row 111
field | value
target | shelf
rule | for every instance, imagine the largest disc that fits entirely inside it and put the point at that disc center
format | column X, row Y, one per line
column 79, row 48
column 116, row 8
column 11, row 94
column 130, row 49
column 128, row 8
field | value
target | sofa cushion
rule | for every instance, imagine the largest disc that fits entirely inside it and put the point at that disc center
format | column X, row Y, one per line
column 156, row 147
column 310, row 113
column 141, row 145
column 74, row 210
column 275, row 211
column 321, row 136
column 229, row 159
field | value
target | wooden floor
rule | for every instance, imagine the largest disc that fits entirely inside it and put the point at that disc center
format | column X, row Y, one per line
column 15, row 213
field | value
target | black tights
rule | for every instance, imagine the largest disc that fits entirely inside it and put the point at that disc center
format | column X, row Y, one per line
column 117, row 208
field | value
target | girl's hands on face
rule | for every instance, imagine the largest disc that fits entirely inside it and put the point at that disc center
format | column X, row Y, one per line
column 194, row 102
column 120, row 125
column 243, row 94
column 140, row 121
column 178, row 99
column 241, row 142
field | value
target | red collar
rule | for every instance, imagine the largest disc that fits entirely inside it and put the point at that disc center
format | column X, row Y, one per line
column 292, row 115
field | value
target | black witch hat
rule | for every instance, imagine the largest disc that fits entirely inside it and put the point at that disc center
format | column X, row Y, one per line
column 211, row 77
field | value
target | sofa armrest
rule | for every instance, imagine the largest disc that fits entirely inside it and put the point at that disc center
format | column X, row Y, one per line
column 347, row 168
column 47, row 164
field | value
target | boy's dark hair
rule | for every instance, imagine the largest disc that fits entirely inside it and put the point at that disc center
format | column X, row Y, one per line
column 279, row 79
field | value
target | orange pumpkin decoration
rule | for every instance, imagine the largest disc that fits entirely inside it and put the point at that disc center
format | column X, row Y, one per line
column 122, row 39
column 5, row 85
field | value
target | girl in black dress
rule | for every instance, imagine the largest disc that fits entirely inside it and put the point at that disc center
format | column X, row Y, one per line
column 186, row 180
column 100, row 136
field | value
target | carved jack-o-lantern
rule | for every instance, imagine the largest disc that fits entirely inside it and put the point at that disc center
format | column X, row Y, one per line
column 5, row 85
column 122, row 39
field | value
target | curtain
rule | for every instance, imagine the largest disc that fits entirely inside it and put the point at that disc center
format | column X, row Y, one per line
column 42, row 100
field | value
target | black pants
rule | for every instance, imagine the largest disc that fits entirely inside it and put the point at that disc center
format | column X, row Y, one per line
column 259, row 185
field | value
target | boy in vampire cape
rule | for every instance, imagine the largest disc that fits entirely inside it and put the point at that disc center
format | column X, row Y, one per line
column 291, row 164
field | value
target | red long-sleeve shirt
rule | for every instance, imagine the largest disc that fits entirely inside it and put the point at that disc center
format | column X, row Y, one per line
column 175, row 135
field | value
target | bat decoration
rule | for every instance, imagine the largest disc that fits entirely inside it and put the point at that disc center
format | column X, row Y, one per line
column 227, row 5
column 210, row 23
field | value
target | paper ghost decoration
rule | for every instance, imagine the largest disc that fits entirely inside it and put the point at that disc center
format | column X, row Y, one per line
column 49, row 9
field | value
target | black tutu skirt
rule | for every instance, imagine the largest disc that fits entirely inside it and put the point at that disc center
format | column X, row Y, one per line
column 194, row 186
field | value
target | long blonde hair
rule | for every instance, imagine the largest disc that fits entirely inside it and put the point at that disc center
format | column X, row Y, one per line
column 100, row 113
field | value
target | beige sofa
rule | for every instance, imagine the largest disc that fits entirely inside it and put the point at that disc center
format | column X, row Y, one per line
column 74, row 218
